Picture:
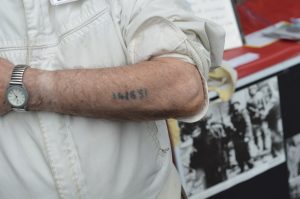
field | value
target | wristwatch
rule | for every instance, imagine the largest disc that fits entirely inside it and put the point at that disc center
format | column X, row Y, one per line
column 16, row 93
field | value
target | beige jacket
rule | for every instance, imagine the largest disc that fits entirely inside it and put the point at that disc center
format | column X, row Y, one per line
column 50, row 156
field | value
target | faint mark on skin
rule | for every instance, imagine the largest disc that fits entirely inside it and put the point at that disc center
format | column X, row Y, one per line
column 131, row 95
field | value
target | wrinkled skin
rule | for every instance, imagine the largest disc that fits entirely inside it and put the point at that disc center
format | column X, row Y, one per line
column 6, row 68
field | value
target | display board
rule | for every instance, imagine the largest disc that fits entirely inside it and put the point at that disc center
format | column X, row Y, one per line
column 235, row 142
column 244, row 144
column 222, row 13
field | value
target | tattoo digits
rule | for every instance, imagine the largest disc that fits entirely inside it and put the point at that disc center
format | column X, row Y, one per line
column 138, row 94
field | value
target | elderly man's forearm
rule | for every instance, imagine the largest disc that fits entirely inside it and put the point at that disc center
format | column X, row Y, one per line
column 156, row 89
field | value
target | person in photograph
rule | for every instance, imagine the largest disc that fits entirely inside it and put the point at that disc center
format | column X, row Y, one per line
column 293, row 158
column 293, row 164
column 272, row 117
column 186, row 150
column 214, row 156
column 194, row 173
column 187, row 147
column 241, row 131
column 208, row 159
column 256, row 107
column 217, row 159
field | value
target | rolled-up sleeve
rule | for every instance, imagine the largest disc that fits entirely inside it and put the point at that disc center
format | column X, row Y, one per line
column 167, row 28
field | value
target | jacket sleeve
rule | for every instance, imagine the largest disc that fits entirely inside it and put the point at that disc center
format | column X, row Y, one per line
column 167, row 28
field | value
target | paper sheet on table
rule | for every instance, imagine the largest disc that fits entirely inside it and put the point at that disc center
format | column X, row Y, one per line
column 242, row 59
column 222, row 13
column 258, row 39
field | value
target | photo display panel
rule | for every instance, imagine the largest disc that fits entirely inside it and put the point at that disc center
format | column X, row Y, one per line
column 234, row 142
column 222, row 13
column 289, row 82
column 244, row 144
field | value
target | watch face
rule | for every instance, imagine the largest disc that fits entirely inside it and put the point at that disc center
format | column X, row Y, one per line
column 17, row 96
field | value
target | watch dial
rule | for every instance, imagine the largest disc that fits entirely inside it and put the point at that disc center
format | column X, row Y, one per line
column 17, row 96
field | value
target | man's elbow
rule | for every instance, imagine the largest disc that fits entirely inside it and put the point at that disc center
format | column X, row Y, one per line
column 192, row 94
column 186, row 95
column 193, row 101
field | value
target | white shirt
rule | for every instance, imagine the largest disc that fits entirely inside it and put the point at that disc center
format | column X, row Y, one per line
column 51, row 156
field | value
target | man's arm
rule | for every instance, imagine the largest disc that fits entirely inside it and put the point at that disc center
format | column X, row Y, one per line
column 155, row 89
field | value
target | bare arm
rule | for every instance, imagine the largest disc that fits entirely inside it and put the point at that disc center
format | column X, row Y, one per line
column 156, row 89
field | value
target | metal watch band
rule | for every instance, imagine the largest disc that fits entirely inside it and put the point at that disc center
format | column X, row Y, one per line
column 17, row 75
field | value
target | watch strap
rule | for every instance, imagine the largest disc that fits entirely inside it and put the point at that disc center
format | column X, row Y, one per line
column 18, row 74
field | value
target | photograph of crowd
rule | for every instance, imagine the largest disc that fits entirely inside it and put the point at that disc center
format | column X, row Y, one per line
column 293, row 164
column 236, row 141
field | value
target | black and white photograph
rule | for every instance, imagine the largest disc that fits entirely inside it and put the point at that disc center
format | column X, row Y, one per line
column 293, row 164
column 234, row 142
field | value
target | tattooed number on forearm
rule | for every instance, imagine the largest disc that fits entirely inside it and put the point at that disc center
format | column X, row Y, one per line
column 138, row 94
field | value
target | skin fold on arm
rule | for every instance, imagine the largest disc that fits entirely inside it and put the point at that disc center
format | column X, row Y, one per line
column 156, row 89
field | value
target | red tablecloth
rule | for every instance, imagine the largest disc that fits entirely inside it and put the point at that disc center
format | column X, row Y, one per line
column 258, row 14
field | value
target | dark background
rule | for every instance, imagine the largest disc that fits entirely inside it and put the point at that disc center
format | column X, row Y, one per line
column 289, row 85
column 273, row 184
